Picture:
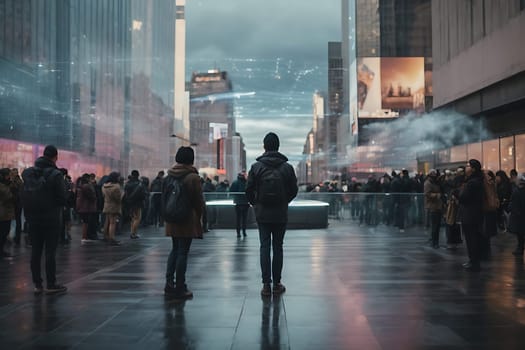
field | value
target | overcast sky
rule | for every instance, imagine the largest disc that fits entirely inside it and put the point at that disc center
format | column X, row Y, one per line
column 275, row 48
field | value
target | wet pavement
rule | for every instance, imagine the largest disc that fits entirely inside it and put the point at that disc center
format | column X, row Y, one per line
column 348, row 287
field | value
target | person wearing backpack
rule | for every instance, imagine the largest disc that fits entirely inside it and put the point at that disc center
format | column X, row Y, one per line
column 135, row 194
column 182, row 209
column 271, row 185
column 43, row 200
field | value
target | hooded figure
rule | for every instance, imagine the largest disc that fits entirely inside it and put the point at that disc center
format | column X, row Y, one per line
column 271, row 185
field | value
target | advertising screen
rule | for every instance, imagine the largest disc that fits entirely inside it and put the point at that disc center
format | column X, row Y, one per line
column 390, row 86
column 403, row 83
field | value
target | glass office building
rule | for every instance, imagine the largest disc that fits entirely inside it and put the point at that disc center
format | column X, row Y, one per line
column 78, row 74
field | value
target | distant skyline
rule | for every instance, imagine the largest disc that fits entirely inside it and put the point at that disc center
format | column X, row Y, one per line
column 275, row 49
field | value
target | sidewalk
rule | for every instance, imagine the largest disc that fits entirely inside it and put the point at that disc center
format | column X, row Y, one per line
column 348, row 287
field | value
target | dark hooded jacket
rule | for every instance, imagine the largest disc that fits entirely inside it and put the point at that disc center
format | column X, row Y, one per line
column 239, row 186
column 56, row 194
column 275, row 213
column 192, row 183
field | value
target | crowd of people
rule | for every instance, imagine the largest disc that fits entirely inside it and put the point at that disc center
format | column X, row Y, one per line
column 472, row 203
column 469, row 202
column 50, row 201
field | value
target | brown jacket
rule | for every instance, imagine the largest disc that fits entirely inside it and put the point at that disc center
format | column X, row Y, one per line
column 7, row 203
column 112, row 198
column 433, row 194
column 192, row 182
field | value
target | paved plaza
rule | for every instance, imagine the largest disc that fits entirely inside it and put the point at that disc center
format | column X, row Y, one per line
column 348, row 287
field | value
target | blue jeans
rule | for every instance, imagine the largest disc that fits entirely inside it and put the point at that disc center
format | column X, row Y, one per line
column 274, row 233
column 178, row 261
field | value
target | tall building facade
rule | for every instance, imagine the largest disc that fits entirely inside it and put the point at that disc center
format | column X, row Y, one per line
column 84, row 75
column 387, row 51
column 212, row 124
column 479, row 71
column 313, row 168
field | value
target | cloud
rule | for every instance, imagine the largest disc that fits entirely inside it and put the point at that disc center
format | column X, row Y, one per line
column 254, row 28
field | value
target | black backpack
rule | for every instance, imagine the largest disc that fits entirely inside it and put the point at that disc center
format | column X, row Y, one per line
column 36, row 191
column 137, row 194
column 175, row 204
column 271, row 189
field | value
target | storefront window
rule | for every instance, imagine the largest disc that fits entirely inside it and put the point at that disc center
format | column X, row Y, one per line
column 458, row 153
column 507, row 153
column 491, row 155
column 519, row 149
column 474, row 151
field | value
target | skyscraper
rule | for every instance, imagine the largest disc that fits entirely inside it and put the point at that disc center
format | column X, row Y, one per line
column 388, row 53
column 213, row 123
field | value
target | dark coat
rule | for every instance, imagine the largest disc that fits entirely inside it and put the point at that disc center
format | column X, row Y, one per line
column 192, row 184
column 57, row 196
column 471, row 200
column 7, row 203
column 517, row 211
column 239, row 186
column 130, row 187
column 276, row 213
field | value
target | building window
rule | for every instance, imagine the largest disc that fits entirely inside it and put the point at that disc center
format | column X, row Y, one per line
column 519, row 149
column 474, row 151
column 507, row 153
column 491, row 155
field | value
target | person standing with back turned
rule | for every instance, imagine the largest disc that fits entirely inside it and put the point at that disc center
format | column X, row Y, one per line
column 43, row 198
column 182, row 230
column 271, row 185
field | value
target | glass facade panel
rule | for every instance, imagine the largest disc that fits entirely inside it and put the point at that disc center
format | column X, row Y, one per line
column 491, row 155
column 507, row 153
column 474, row 151
column 520, row 152
column 458, row 153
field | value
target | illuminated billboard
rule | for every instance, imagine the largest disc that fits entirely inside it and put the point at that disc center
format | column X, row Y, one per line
column 390, row 86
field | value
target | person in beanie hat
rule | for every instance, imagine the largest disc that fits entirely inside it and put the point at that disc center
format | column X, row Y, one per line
column 471, row 206
column 45, row 223
column 271, row 185
column 182, row 233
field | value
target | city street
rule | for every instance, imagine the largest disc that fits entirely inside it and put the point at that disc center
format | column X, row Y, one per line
column 348, row 287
